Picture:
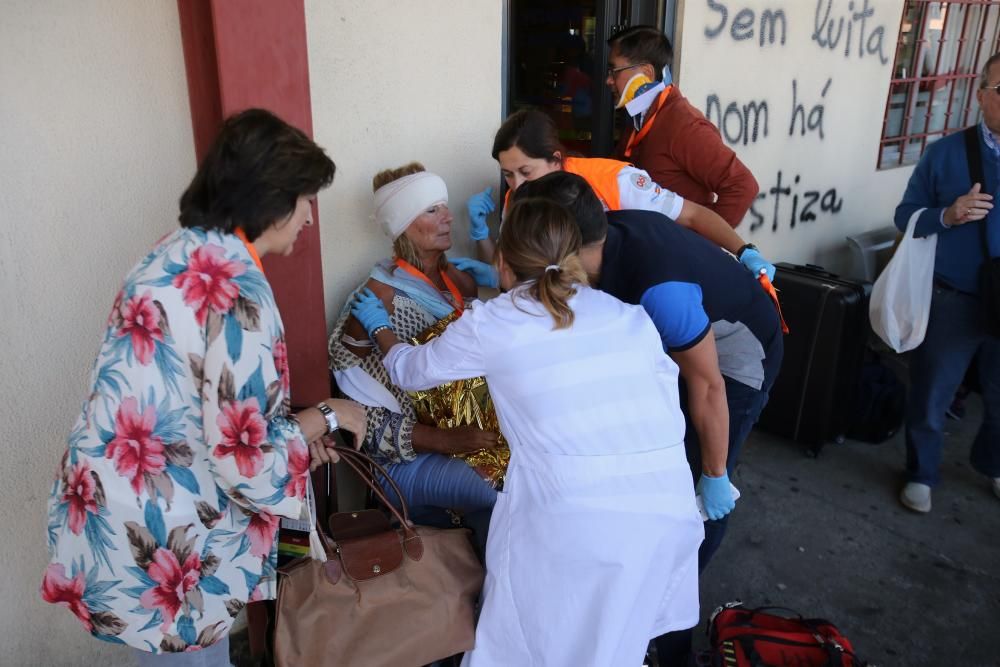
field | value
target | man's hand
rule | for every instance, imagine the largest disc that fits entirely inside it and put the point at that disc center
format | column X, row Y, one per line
column 972, row 206
column 716, row 495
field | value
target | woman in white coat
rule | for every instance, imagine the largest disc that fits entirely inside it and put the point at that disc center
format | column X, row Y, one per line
column 592, row 548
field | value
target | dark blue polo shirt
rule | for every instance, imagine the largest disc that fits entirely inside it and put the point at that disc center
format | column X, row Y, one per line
column 688, row 284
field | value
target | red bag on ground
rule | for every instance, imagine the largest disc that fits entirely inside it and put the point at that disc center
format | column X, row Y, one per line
column 757, row 638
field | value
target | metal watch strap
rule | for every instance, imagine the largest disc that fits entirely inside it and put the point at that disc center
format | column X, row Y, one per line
column 330, row 416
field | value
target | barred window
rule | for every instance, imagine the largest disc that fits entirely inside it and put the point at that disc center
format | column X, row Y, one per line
column 941, row 51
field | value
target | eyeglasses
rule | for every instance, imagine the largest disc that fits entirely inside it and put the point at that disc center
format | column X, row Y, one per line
column 614, row 70
column 995, row 89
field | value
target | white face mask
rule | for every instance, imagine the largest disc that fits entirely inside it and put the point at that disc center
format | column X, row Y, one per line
column 638, row 84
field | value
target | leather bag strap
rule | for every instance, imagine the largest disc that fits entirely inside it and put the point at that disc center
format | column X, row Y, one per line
column 357, row 462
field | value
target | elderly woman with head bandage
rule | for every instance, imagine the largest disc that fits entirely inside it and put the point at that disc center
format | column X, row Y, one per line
column 418, row 287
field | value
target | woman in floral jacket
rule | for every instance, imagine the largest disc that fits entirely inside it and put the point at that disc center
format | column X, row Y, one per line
column 164, row 514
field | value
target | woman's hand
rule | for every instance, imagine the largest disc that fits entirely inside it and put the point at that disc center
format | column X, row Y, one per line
column 351, row 417
column 479, row 207
column 465, row 439
column 484, row 274
column 370, row 311
column 321, row 452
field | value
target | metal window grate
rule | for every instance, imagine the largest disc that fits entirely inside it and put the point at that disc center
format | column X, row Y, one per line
column 941, row 50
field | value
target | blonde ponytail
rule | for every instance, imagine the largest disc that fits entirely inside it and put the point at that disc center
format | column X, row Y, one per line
column 539, row 242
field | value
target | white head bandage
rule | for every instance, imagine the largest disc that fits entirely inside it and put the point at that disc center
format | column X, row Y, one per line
column 398, row 204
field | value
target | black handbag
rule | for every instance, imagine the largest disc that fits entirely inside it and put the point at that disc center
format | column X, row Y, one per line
column 989, row 276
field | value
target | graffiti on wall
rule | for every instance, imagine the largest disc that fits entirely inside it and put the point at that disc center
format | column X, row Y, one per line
column 797, row 107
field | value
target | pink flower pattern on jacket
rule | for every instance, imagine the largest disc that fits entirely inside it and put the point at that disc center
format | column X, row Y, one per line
column 262, row 531
column 135, row 450
column 163, row 516
column 208, row 281
column 243, row 433
column 298, row 468
column 173, row 582
column 280, row 351
column 57, row 589
column 141, row 321
column 78, row 494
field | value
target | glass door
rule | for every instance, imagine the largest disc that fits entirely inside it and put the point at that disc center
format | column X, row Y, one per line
column 556, row 60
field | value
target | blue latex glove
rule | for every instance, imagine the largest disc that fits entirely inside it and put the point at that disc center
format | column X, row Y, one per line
column 485, row 274
column 370, row 311
column 716, row 495
column 755, row 263
column 479, row 207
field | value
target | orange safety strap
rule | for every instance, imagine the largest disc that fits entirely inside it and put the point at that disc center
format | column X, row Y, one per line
column 773, row 293
column 456, row 296
column 636, row 138
column 250, row 248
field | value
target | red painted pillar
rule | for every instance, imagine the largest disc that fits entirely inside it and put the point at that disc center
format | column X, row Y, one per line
column 252, row 53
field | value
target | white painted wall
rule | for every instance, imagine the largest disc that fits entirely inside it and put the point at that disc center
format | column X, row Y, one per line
column 95, row 149
column 712, row 61
column 393, row 82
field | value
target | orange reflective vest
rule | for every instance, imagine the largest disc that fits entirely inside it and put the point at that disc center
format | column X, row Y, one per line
column 600, row 173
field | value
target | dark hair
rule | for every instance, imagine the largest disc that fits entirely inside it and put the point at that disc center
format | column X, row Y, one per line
column 531, row 130
column 575, row 194
column 644, row 44
column 251, row 177
column 537, row 234
column 984, row 76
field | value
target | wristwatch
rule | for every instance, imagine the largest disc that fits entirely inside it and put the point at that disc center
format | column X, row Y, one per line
column 330, row 416
column 745, row 247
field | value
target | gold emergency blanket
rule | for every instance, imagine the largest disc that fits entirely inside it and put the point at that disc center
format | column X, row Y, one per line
column 463, row 403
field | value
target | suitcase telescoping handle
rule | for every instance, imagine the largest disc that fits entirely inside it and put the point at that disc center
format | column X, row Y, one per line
column 814, row 269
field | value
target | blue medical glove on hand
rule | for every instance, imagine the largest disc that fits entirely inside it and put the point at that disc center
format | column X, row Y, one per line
column 485, row 274
column 716, row 495
column 370, row 311
column 755, row 262
column 479, row 207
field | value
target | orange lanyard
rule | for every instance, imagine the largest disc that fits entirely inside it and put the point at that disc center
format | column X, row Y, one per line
column 636, row 138
column 250, row 248
column 772, row 292
column 456, row 296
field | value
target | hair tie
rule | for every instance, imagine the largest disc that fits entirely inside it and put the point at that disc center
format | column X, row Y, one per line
column 553, row 267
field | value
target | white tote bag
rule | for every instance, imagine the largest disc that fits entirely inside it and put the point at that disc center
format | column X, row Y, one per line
column 901, row 298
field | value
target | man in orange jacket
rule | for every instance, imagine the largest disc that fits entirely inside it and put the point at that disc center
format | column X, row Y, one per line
column 669, row 138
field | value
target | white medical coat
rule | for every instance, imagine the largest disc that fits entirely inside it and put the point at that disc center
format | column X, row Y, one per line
column 592, row 548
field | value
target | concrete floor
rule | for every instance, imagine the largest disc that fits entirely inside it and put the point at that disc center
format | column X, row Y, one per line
column 827, row 536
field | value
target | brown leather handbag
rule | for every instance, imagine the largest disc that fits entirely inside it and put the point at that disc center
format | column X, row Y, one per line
column 386, row 595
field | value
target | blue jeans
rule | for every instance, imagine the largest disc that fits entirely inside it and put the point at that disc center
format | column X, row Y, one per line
column 434, row 483
column 745, row 405
column 216, row 655
column 956, row 333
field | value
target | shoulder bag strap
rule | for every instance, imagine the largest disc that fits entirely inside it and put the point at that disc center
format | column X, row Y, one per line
column 974, row 157
column 362, row 464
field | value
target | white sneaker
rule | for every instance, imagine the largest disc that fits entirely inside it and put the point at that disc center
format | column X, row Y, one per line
column 996, row 486
column 917, row 497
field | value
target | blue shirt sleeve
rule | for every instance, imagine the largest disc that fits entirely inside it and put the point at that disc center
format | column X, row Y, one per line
column 920, row 193
column 676, row 310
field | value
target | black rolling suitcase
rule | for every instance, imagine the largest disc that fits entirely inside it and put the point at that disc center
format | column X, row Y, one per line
column 828, row 326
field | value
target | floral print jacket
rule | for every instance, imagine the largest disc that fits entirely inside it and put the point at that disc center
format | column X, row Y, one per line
column 163, row 517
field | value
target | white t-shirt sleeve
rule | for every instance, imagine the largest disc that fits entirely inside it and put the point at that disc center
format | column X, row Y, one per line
column 637, row 190
column 454, row 355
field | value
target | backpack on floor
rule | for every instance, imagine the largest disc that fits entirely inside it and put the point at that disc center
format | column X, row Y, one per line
column 741, row 637
column 879, row 403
